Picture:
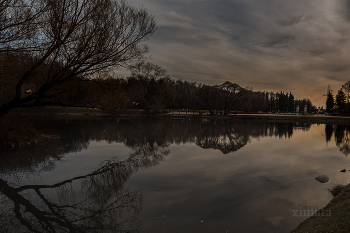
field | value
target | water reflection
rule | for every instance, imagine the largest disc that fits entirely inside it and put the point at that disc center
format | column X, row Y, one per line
column 103, row 204
column 227, row 136
column 99, row 201
column 28, row 160
column 142, row 136
column 223, row 136
column 341, row 135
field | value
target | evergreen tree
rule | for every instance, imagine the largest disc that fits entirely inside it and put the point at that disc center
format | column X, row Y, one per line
column 272, row 102
column 340, row 101
column 291, row 102
column 282, row 102
column 329, row 102
column 267, row 101
column 346, row 88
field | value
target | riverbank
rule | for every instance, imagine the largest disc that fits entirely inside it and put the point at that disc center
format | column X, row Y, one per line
column 22, row 141
column 335, row 217
column 270, row 117
column 315, row 119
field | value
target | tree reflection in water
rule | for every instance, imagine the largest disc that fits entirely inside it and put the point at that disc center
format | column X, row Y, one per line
column 100, row 211
column 341, row 135
column 103, row 203
column 229, row 137
column 106, row 205
column 226, row 137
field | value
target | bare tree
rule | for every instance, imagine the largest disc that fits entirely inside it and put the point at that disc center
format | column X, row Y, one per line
column 147, row 86
column 17, row 23
column 229, row 96
column 78, row 38
column 208, row 98
column 148, row 70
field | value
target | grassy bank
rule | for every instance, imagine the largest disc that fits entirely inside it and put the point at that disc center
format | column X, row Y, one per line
column 178, row 114
column 335, row 217
column 311, row 119
column 57, row 110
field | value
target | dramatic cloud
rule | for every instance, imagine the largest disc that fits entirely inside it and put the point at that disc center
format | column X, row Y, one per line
column 293, row 45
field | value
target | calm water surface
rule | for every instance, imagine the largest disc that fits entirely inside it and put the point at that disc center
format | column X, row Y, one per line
column 171, row 176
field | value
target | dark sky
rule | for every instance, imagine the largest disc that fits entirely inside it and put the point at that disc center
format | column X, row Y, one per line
column 271, row 45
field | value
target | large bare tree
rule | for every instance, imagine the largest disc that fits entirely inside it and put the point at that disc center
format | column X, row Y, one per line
column 17, row 23
column 74, row 39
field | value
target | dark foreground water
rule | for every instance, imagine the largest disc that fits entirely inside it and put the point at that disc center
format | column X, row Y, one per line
column 106, row 175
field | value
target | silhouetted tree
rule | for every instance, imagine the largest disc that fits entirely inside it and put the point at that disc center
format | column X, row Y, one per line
column 340, row 101
column 18, row 24
column 346, row 89
column 78, row 38
column 229, row 98
column 291, row 102
column 148, row 70
column 329, row 102
column 208, row 98
column 283, row 102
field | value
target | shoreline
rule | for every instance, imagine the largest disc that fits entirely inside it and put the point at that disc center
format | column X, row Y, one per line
column 317, row 119
column 338, row 217
column 134, row 113
column 288, row 118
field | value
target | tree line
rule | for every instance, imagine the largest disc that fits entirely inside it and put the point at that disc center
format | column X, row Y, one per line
column 150, row 88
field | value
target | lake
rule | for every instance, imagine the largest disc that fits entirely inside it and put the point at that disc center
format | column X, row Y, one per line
column 169, row 175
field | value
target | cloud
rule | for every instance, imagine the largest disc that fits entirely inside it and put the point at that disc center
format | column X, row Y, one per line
column 289, row 22
column 278, row 40
column 346, row 10
column 294, row 45
column 187, row 36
